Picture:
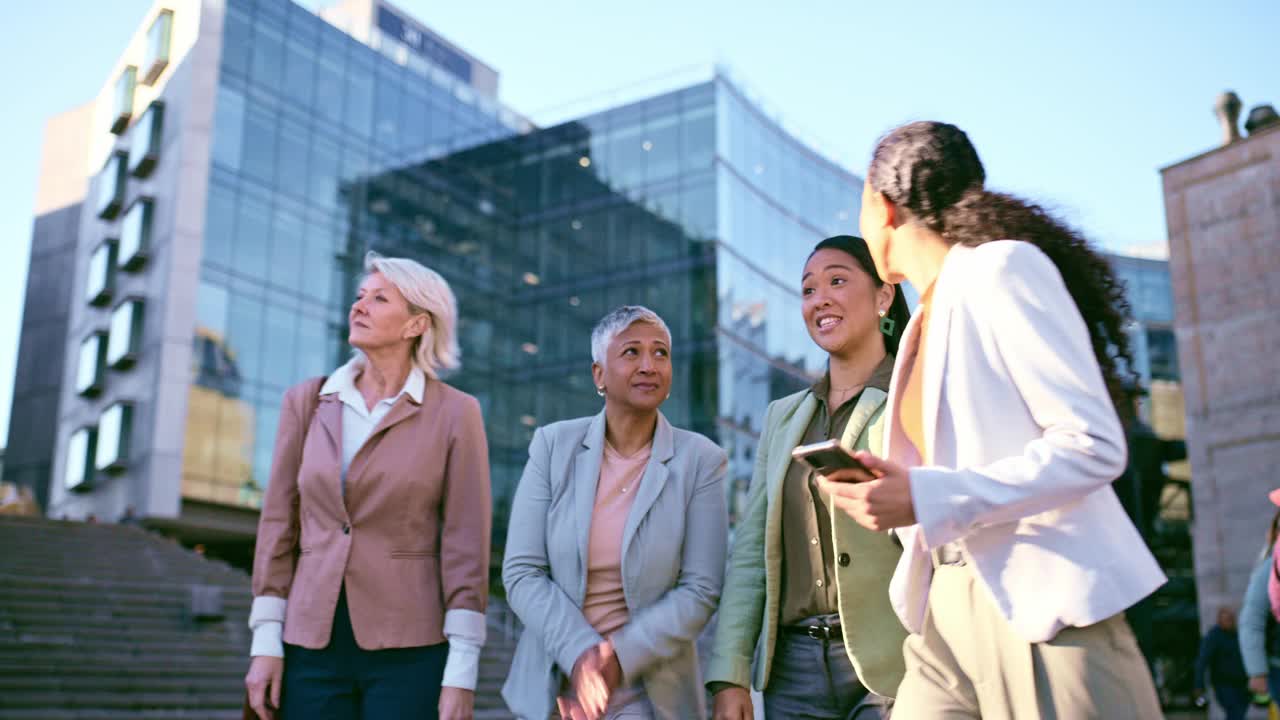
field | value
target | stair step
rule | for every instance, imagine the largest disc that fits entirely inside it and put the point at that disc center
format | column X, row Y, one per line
column 229, row 699
column 94, row 625
column 127, row 714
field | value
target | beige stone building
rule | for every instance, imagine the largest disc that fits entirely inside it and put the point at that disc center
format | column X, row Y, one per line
column 1223, row 214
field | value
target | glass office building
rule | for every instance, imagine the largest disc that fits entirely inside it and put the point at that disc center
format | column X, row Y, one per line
column 242, row 182
column 691, row 203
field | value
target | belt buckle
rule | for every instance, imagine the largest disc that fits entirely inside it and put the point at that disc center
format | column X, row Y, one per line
column 819, row 632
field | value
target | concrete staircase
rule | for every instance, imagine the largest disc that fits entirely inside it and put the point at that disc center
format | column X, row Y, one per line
column 97, row 621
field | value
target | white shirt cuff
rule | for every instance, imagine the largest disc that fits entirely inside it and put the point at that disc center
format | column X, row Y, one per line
column 267, row 640
column 266, row 620
column 266, row 608
column 466, row 631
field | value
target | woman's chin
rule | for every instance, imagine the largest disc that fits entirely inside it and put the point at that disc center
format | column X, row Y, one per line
column 830, row 344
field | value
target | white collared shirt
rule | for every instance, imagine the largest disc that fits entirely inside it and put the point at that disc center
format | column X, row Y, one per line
column 358, row 420
column 464, row 629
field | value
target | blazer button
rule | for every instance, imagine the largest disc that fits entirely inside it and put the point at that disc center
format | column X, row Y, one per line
column 346, row 530
column 843, row 559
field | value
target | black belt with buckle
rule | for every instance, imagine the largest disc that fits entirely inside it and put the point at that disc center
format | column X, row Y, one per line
column 824, row 633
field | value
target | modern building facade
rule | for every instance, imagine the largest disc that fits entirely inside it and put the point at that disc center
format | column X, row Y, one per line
column 60, row 194
column 1222, row 209
column 243, row 156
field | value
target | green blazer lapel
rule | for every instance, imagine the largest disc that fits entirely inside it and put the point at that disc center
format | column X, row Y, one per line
column 864, row 413
column 789, row 435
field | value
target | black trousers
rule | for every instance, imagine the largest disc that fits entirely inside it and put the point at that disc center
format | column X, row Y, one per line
column 344, row 682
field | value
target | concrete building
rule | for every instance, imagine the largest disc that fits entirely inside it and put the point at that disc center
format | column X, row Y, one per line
column 1223, row 213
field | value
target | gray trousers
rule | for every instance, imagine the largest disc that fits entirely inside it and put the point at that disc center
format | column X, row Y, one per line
column 813, row 680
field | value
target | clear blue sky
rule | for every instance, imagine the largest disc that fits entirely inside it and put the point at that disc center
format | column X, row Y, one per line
column 1076, row 104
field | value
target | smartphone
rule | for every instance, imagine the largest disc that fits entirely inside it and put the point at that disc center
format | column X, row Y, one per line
column 828, row 456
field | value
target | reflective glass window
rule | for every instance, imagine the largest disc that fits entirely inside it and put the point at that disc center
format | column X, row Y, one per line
column 219, row 225
column 122, row 107
column 81, row 450
column 111, row 186
column 144, row 148
column 91, row 364
column 135, row 235
column 102, row 274
column 228, row 127
column 158, row 40
column 125, row 338
column 115, row 427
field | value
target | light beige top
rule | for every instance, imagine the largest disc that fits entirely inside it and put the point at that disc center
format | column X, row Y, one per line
column 911, row 409
column 605, row 605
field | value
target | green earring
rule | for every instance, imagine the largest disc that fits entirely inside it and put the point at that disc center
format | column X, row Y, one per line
column 887, row 324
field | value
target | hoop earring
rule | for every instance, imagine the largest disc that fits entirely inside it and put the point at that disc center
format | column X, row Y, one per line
column 600, row 391
column 887, row 324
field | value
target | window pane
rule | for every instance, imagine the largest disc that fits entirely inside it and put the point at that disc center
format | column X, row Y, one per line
column 359, row 101
column 80, row 452
column 126, row 334
column 330, row 83
column 244, row 335
column 236, row 34
column 315, row 356
column 268, row 56
column 102, row 273
column 286, row 250
column 111, row 187
column 135, row 235
column 144, row 149
column 219, row 225
column 325, row 161
column 228, row 128
column 253, row 228
column 299, row 72
column 212, row 302
column 123, row 109
column 280, row 347
column 89, row 369
column 158, row 46
column 113, row 437
column 259, row 156
column 291, row 172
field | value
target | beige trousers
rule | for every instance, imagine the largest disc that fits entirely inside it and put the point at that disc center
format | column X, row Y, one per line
column 967, row 663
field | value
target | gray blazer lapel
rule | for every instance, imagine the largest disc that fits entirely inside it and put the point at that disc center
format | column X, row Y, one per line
column 653, row 480
column 586, row 476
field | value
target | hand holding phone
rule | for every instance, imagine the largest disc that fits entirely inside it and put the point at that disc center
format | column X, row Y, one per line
column 828, row 456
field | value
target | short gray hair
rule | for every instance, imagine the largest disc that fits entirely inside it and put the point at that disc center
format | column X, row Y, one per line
column 435, row 350
column 617, row 321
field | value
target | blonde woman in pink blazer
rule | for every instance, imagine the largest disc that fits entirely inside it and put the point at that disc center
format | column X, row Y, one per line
column 370, row 577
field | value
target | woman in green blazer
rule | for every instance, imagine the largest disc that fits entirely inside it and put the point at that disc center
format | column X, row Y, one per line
column 805, row 615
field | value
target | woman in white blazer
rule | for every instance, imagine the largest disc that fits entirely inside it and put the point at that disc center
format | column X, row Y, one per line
column 1002, row 445
column 616, row 545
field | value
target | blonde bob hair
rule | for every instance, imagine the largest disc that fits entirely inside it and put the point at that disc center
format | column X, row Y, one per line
column 436, row 350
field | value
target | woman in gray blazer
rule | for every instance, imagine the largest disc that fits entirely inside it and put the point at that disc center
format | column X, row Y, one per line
column 616, row 547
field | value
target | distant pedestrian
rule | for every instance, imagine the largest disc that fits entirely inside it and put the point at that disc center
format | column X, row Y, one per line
column 1220, row 659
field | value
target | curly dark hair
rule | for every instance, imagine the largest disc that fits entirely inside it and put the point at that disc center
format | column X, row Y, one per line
column 933, row 171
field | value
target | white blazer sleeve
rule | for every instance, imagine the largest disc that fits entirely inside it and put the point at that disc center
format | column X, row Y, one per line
column 1038, row 335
